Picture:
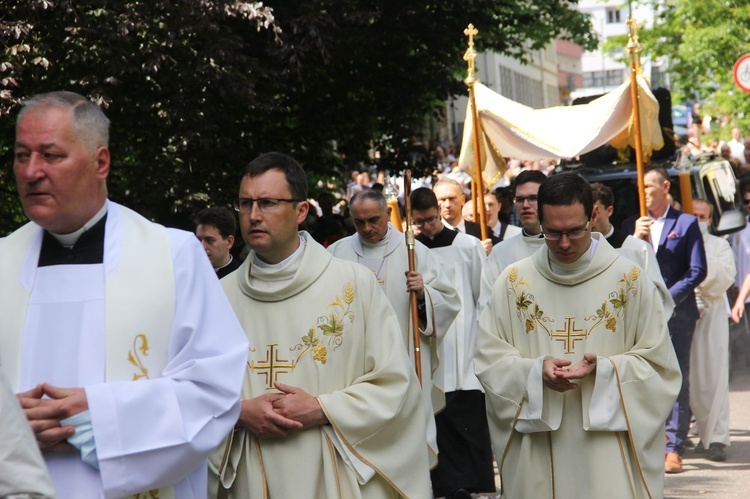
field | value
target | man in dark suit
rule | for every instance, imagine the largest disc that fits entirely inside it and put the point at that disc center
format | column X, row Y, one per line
column 678, row 242
column 451, row 199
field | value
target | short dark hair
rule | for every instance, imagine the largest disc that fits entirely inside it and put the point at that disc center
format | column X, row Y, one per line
column 219, row 217
column 603, row 194
column 423, row 198
column 295, row 175
column 565, row 189
column 372, row 195
column 529, row 176
column 659, row 170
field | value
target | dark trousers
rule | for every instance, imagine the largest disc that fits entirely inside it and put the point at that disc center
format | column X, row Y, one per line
column 681, row 331
column 465, row 451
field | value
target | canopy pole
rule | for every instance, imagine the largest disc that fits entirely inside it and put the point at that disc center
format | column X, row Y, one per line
column 477, row 190
column 634, row 47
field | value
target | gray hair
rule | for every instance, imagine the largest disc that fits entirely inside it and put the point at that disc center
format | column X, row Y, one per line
column 371, row 194
column 90, row 125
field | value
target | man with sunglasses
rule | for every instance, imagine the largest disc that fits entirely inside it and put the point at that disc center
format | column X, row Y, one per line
column 522, row 245
column 381, row 248
column 465, row 463
column 574, row 355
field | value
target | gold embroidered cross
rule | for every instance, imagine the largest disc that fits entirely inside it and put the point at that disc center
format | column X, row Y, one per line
column 569, row 334
column 272, row 366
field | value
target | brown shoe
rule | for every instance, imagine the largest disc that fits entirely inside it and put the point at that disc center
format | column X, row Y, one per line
column 673, row 463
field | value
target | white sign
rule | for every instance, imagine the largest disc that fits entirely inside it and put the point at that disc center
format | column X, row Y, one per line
column 742, row 72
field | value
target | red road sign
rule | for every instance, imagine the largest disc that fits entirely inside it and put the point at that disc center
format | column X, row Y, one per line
column 742, row 72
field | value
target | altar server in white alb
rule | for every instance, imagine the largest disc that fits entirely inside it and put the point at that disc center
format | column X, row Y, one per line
column 381, row 248
column 465, row 459
column 575, row 359
column 709, row 355
column 512, row 249
column 331, row 407
column 114, row 330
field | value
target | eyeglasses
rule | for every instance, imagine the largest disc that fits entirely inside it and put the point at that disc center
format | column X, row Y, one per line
column 519, row 200
column 571, row 234
column 425, row 221
column 245, row 205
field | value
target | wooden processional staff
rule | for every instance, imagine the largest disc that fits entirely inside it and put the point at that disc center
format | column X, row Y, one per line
column 413, row 306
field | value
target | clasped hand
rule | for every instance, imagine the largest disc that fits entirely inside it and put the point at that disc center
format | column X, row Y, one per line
column 274, row 415
column 558, row 373
column 44, row 414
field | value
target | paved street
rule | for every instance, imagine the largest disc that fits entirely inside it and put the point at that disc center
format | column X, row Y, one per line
column 728, row 480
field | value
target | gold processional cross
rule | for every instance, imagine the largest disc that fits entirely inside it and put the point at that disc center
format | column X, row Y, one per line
column 569, row 334
column 272, row 366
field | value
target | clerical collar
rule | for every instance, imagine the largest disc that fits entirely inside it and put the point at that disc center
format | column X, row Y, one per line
column 291, row 260
column 579, row 265
column 88, row 247
column 610, row 232
column 231, row 258
column 533, row 236
column 69, row 240
column 443, row 238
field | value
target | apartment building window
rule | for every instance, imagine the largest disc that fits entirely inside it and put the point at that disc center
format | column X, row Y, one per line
column 615, row 16
column 610, row 78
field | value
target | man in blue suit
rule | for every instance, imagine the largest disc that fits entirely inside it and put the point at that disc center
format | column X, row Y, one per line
column 678, row 243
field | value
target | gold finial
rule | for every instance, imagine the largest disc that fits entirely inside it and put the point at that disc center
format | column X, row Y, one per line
column 633, row 46
column 633, row 43
column 471, row 31
column 470, row 55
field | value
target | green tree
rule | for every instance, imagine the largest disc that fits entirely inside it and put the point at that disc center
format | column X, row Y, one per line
column 701, row 40
column 196, row 88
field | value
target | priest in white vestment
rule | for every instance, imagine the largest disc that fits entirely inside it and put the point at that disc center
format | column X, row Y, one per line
column 331, row 407
column 114, row 330
column 709, row 355
column 381, row 248
column 575, row 358
column 512, row 249
column 22, row 469
column 465, row 464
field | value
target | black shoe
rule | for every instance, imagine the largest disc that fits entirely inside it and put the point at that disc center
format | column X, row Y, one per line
column 459, row 494
column 699, row 449
column 689, row 444
column 717, row 452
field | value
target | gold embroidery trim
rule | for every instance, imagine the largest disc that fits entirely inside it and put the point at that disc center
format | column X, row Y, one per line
column 531, row 314
column 140, row 343
column 330, row 325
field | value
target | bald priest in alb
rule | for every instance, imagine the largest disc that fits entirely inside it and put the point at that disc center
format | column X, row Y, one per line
column 114, row 329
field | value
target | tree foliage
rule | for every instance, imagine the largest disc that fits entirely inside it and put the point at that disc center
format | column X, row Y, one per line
column 197, row 88
column 701, row 40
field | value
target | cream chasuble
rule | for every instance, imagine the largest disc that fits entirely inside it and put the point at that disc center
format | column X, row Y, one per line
column 389, row 261
column 152, row 299
column 323, row 325
column 709, row 355
column 503, row 254
column 583, row 443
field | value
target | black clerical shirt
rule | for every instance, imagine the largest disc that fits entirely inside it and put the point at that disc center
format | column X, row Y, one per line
column 87, row 250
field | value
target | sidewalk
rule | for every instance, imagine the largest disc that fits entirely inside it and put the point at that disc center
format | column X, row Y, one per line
column 728, row 480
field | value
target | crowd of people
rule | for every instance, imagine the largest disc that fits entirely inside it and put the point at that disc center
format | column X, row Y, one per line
column 335, row 357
